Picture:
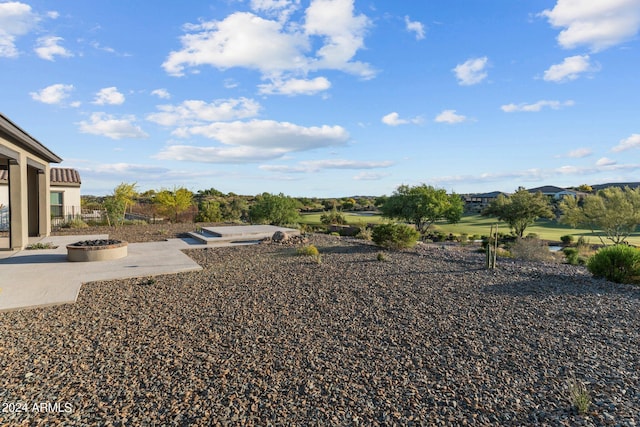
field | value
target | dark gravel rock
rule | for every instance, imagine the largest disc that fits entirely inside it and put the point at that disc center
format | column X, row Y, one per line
column 262, row 336
column 96, row 242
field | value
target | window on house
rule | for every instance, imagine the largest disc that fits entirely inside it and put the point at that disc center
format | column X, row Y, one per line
column 56, row 204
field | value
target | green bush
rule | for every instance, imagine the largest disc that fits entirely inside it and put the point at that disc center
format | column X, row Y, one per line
column 75, row 223
column 567, row 239
column 395, row 236
column 574, row 257
column 619, row 263
column 309, row 250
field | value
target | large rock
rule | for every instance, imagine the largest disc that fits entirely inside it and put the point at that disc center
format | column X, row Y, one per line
column 280, row 237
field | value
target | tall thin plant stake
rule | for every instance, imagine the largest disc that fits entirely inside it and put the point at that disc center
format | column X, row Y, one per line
column 492, row 248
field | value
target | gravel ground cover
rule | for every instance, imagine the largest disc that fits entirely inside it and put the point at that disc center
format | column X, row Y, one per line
column 262, row 336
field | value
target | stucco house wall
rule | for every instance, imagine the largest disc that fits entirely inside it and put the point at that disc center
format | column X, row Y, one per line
column 26, row 163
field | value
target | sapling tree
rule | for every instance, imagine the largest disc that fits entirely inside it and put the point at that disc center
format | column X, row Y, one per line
column 520, row 210
column 614, row 211
column 422, row 205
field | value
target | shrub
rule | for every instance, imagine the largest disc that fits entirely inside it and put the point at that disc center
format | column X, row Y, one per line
column 567, row 239
column 309, row 250
column 75, row 223
column 365, row 234
column 575, row 256
column 333, row 217
column 530, row 249
column 619, row 263
column 381, row 257
column 579, row 396
column 395, row 236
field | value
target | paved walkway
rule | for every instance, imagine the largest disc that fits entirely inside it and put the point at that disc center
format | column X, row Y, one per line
column 32, row 278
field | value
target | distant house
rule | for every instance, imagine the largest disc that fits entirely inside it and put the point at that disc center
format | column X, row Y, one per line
column 25, row 165
column 554, row 192
column 477, row 202
column 64, row 193
column 631, row 185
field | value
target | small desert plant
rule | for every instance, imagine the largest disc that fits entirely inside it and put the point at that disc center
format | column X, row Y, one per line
column 40, row 245
column 579, row 396
column 309, row 250
column 530, row 249
column 381, row 256
column 571, row 256
column 619, row 263
column 75, row 223
column 583, row 242
column 365, row 234
column 395, row 236
column 567, row 239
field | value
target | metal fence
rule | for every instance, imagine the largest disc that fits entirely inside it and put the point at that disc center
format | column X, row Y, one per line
column 61, row 215
column 4, row 218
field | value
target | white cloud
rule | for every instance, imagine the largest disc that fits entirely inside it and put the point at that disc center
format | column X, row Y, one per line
column 281, row 9
column 112, row 127
column 416, row 27
column 317, row 165
column 472, row 71
column 393, row 119
column 247, row 40
column 109, row 96
column 596, row 24
column 579, row 153
column 53, row 94
column 535, row 107
column 256, row 140
column 16, row 19
column 196, row 112
column 628, row 143
column 295, row 86
column 48, row 47
column 161, row 93
column 370, row 176
column 342, row 32
column 604, row 161
column 569, row 69
column 450, row 117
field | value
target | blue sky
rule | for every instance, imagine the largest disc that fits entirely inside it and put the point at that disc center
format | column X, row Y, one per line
column 328, row 97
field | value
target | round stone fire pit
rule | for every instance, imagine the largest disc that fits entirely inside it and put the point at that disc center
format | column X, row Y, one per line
column 96, row 250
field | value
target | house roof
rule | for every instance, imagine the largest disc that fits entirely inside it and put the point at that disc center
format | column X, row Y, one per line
column 492, row 194
column 548, row 189
column 616, row 184
column 15, row 134
column 58, row 176
column 65, row 176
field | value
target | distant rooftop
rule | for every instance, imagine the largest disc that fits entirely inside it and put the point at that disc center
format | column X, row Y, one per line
column 58, row 176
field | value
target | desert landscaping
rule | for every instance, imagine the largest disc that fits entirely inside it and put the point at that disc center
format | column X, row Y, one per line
column 360, row 336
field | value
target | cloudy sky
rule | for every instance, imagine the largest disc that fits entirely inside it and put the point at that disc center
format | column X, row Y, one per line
column 328, row 97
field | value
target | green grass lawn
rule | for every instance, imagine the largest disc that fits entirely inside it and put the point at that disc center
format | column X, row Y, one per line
column 480, row 225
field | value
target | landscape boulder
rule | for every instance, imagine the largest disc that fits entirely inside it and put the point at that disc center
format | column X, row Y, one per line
column 280, row 237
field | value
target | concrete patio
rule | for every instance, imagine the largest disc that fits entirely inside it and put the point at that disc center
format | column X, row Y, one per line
column 41, row 277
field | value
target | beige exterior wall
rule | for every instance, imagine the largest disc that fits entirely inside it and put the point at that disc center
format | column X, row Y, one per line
column 28, row 185
column 70, row 198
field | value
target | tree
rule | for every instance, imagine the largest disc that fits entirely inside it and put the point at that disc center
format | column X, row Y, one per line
column 173, row 202
column 117, row 203
column 333, row 218
column 614, row 211
column 520, row 210
column 422, row 205
column 209, row 211
column 586, row 188
column 276, row 209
